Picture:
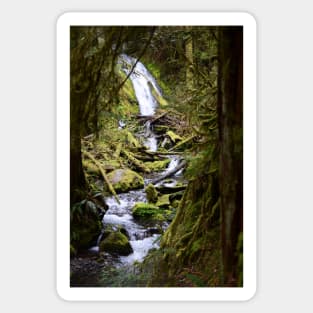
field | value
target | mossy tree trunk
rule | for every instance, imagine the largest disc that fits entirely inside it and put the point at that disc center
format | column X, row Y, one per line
column 79, row 92
column 230, row 115
column 189, row 57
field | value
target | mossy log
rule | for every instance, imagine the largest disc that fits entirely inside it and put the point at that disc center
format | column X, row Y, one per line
column 182, row 143
column 140, row 165
column 112, row 190
column 117, row 150
column 170, row 173
column 166, row 189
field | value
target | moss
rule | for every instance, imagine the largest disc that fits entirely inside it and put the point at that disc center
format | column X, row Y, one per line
column 164, row 201
column 85, row 224
column 157, row 166
column 124, row 180
column 161, row 129
column 152, row 194
column 145, row 210
column 175, row 204
column 132, row 141
column 174, row 137
column 90, row 167
column 72, row 251
column 111, row 165
column 160, row 99
column 116, row 243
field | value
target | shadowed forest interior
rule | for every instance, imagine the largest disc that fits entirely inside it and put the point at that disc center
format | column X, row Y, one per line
column 156, row 156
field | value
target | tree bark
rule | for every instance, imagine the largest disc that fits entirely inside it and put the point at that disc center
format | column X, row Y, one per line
column 230, row 114
column 189, row 57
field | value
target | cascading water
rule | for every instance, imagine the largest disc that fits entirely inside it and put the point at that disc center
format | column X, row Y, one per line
column 87, row 268
column 142, row 82
column 141, row 237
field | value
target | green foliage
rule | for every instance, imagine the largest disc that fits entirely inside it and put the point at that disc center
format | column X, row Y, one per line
column 124, row 277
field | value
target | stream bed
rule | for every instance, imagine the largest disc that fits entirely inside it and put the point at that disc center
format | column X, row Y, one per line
column 88, row 268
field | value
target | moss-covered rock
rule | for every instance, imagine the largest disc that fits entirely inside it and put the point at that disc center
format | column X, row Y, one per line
column 157, row 166
column 116, row 243
column 85, row 224
column 164, row 201
column 124, row 180
column 145, row 210
column 152, row 194
column 90, row 167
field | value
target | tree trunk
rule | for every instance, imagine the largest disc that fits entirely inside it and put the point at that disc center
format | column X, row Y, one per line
column 79, row 91
column 189, row 57
column 77, row 177
column 230, row 109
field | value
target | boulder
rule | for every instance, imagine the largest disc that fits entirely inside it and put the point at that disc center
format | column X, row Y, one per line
column 164, row 201
column 145, row 210
column 152, row 194
column 85, row 224
column 124, row 180
column 116, row 243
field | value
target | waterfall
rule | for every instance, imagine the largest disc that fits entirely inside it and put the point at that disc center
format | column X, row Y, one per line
column 142, row 82
column 120, row 214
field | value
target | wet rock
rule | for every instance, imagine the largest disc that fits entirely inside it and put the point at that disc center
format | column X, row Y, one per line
column 85, row 224
column 145, row 210
column 164, row 201
column 124, row 180
column 152, row 194
column 116, row 243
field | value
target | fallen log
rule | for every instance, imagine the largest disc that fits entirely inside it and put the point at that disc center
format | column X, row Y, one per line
column 166, row 189
column 182, row 142
column 140, row 165
column 98, row 164
column 170, row 173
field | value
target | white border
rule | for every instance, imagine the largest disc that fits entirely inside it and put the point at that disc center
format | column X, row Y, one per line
column 152, row 294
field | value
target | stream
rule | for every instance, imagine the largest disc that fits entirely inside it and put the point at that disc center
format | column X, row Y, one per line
column 142, row 236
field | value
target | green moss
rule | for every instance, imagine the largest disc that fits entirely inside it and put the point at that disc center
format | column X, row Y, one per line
column 124, row 180
column 174, row 137
column 85, row 224
column 72, row 251
column 164, row 201
column 90, row 167
column 152, row 194
column 157, row 166
column 116, row 243
column 175, row 204
column 132, row 141
column 161, row 101
column 145, row 210
column 160, row 129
